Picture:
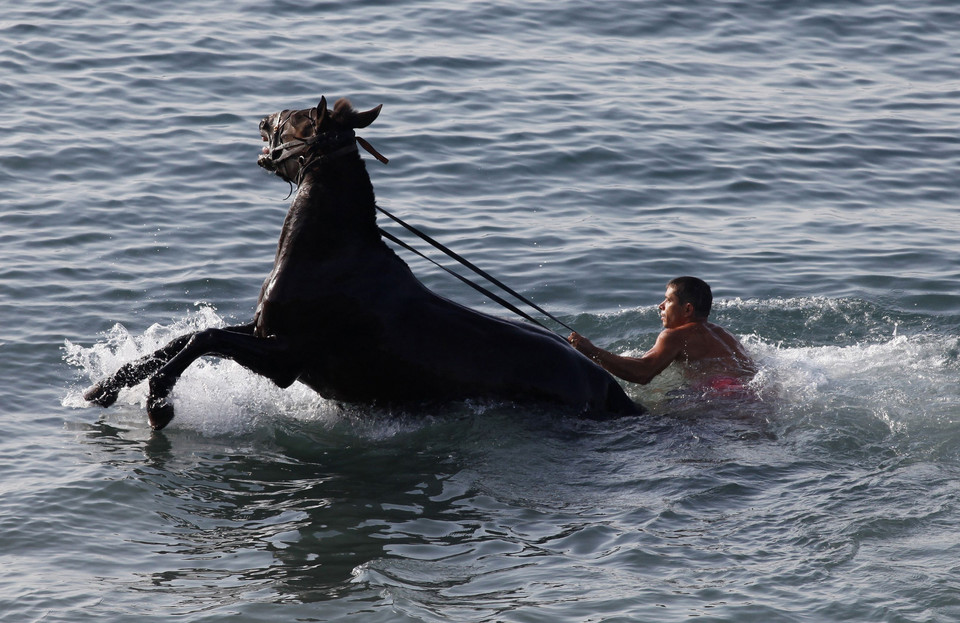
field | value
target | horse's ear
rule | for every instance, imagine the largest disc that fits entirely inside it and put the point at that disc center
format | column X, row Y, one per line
column 363, row 119
column 321, row 111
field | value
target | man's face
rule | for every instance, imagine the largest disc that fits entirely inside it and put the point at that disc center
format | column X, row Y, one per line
column 672, row 313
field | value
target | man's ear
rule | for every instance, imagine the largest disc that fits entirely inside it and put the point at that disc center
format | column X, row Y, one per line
column 688, row 311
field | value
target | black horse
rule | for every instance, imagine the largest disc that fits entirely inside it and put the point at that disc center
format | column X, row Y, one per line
column 343, row 314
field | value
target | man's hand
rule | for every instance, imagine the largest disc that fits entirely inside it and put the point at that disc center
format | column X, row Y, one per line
column 583, row 345
column 633, row 369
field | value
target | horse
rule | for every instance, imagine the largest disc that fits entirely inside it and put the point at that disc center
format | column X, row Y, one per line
column 343, row 314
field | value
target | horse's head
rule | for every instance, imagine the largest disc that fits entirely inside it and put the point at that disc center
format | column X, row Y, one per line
column 299, row 138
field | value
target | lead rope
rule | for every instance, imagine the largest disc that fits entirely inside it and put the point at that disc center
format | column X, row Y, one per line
column 476, row 286
column 480, row 272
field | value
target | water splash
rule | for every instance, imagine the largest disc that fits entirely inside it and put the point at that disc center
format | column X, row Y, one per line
column 214, row 396
column 218, row 397
column 840, row 365
column 906, row 382
column 893, row 396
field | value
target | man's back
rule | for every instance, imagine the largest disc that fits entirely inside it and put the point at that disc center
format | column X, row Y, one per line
column 705, row 340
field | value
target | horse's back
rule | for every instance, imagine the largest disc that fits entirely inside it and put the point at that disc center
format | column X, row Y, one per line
column 482, row 354
column 385, row 337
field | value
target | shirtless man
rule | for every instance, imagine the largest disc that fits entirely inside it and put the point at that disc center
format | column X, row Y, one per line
column 715, row 359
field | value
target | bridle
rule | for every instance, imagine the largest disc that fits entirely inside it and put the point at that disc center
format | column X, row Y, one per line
column 312, row 152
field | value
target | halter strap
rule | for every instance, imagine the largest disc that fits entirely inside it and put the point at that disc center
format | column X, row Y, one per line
column 306, row 165
column 297, row 146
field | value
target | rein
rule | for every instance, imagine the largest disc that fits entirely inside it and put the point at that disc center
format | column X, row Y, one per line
column 476, row 286
column 298, row 146
column 479, row 271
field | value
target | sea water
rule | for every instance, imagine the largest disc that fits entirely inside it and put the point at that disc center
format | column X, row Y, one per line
column 800, row 157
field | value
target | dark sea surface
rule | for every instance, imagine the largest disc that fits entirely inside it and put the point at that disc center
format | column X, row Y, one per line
column 802, row 157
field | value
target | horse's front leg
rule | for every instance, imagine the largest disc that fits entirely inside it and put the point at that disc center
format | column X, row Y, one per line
column 270, row 357
column 105, row 391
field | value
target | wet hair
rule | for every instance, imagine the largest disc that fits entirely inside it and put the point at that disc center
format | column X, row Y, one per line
column 694, row 291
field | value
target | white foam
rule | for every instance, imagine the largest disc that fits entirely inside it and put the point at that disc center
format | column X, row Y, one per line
column 214, row 396
column 902, row 380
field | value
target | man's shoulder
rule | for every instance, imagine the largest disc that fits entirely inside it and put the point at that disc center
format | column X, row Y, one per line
column 698, row 334
column 686, row 329
column 679, row 335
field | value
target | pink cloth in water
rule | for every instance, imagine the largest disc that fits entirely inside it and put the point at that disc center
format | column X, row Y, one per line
column 722, row 386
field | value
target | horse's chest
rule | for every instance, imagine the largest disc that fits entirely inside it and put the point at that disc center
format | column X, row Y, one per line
column 318, row 299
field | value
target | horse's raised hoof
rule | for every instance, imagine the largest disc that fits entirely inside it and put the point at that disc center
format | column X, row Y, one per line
column 159, row 412
column 102, row 394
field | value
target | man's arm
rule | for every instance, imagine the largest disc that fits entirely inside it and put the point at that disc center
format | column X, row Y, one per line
column 633, row 369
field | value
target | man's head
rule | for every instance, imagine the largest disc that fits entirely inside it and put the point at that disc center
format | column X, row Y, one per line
column 692, row 295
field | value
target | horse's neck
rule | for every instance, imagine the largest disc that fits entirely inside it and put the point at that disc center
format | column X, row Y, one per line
column 333, row 209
